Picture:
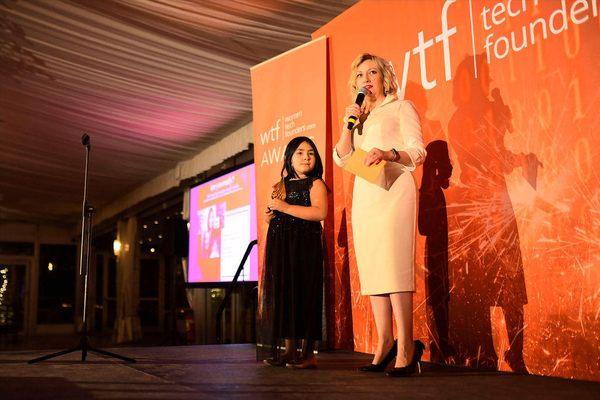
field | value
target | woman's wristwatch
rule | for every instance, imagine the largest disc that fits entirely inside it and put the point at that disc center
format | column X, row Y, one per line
column 396, row 155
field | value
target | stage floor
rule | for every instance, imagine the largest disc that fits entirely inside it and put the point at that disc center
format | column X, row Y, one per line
column 231, row 372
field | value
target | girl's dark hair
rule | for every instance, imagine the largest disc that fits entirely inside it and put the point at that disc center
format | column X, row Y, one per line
column 316, row 172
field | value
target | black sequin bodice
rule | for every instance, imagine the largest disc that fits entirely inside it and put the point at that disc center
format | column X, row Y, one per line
column 297, row 194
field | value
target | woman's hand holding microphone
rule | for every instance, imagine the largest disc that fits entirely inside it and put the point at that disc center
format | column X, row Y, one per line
column 375, row 156
column 353, row 110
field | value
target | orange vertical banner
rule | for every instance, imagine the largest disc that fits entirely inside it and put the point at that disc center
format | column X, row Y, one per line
column 289, row 95
column 507, row 91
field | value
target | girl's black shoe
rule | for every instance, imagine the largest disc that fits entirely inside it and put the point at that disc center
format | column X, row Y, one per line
column 274, row 362
column 414, row 364
column 380, row 367
column 280, row 360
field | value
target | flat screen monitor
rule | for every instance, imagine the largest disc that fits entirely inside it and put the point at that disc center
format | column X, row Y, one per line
column 222, row 223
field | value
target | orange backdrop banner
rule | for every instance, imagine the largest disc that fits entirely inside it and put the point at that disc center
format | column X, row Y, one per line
column 289, row 94
column 507, row 267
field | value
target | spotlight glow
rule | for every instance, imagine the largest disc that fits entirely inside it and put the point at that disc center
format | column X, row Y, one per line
column 117, row 247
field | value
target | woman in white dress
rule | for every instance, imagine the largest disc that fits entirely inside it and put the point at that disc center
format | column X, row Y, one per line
column 384, row 214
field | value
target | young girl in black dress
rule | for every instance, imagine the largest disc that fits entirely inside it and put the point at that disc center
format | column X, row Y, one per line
column 291, row 304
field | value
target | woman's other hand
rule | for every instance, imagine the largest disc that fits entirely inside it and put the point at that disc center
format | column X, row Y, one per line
column 375, row 156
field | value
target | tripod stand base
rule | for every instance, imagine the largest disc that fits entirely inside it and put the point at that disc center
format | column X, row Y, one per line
column 85, row 348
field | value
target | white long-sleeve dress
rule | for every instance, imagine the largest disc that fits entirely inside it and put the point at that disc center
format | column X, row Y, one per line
column 384, row 220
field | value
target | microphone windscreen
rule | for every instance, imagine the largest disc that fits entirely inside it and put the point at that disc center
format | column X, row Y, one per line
column 360, row 97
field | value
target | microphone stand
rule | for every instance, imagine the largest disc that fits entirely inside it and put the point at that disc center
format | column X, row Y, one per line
column 84, row 269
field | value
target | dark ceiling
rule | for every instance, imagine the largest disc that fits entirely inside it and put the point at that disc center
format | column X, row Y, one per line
column 152, row 82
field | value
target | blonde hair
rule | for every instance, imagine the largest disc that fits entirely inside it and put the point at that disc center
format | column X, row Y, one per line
column 390, row 82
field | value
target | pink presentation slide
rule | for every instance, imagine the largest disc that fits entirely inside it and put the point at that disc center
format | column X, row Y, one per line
column 222, row 223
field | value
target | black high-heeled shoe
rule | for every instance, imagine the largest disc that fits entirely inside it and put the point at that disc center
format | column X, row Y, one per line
column 415, row 363
column 380, row 367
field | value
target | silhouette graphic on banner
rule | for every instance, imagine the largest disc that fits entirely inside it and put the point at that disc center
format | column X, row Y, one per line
column 485, row 251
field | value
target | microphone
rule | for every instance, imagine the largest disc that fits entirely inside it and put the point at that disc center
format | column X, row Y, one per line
column 360, row 97
column 85, row 140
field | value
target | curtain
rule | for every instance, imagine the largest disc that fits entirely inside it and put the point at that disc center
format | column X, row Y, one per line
column 127, row 324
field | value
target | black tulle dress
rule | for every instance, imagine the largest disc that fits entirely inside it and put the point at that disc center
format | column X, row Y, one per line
column 291, row 298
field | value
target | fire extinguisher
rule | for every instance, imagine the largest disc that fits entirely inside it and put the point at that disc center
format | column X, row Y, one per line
column 190, row 326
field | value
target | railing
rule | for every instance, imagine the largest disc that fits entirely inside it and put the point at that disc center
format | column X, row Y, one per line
column 231, row 287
